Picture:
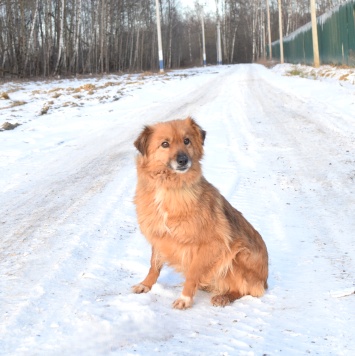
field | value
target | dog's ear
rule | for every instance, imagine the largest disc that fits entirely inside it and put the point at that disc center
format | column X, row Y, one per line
column 198, row 128
column 203, row 134
column 142, row 141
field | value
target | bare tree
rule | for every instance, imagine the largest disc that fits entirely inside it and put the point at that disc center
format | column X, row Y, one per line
column 60, row 54
column 46, row 37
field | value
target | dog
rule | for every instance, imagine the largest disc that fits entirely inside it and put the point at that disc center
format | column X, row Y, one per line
column 189, row 224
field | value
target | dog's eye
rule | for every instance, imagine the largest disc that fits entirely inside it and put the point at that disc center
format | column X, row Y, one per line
column 165, row 144
column 186, row 141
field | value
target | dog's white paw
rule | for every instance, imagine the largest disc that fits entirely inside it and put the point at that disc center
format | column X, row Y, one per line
column 183, row 302
column 140, row 288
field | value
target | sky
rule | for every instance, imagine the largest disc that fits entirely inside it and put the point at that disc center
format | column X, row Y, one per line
column 209, row 5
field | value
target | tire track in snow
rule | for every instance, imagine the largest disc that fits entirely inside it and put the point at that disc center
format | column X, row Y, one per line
column 36, row 227
column 314, row 153
column 46, row 207
column 302, row 249
column 280, row 196
column 90, row 268
column 46, row 258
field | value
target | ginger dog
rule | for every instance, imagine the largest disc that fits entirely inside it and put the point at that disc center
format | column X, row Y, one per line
column 189, row 224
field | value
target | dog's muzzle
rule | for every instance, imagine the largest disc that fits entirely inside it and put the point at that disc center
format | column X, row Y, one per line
column 182, row 163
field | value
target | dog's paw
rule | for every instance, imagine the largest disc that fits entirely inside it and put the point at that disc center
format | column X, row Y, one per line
column 182, row 303
column 140, row 288
column 220, row 300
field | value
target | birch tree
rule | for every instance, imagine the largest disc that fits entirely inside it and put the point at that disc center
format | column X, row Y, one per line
column 61, row 37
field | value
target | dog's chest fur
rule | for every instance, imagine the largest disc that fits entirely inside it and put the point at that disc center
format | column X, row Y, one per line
column 165, row 217
column 169, row 212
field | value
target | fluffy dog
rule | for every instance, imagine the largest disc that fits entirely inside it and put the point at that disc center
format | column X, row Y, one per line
column 189, row 224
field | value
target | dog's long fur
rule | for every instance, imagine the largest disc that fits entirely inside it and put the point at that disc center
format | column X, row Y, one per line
column 189, row 224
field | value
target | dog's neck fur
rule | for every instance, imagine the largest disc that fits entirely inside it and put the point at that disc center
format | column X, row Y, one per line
column 171, row 193
column 167, row 179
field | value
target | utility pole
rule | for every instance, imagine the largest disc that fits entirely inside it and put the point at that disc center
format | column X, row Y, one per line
column 281, row 36
column 203, row 39
column 314, row 34
column 160, row 46
column 219, row 44
column 269, row 28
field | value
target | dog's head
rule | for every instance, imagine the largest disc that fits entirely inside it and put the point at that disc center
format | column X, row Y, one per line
column 174, row 146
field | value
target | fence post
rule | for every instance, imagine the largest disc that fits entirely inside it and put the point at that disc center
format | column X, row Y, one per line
column 314, row 34
column 269, row 28
column 281, row 36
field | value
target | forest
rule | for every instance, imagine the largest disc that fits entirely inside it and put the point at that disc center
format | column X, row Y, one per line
column 43, row 38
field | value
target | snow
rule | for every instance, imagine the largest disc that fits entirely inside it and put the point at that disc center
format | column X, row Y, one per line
column 279, row 147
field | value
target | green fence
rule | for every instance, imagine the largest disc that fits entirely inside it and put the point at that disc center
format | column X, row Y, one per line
column 336, row 39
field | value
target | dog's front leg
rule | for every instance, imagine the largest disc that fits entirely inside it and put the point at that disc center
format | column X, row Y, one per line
column 152, row 276
column 193, row 275
column 186, row 298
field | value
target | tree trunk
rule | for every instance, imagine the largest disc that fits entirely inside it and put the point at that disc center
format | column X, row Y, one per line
column 233, row 44
column 102, row 36
column 61, row 38
column 77, row 36
column 30, row 38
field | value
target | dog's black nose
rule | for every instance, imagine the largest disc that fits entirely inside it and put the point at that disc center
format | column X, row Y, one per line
column 182, row 159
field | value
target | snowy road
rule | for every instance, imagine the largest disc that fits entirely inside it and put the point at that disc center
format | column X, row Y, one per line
column 281, row 149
